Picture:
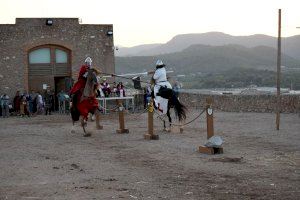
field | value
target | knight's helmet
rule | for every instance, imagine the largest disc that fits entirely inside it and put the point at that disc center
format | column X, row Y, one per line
column 159, row 64
column 88, row 61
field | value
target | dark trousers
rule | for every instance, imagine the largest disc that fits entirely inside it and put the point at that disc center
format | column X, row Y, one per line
column 47, row 110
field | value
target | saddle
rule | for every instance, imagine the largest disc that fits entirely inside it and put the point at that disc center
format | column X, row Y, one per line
column 165, row 92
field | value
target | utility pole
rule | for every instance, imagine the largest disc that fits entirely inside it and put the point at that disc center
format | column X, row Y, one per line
column 278, row 71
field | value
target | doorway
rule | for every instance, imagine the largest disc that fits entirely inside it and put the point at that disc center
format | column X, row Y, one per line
column 61, row 84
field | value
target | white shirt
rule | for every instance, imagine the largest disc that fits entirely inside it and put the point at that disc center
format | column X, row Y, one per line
column 160, row 75
column 40, row 99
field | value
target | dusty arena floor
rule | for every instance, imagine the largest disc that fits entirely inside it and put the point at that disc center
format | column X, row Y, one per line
column 41, row 159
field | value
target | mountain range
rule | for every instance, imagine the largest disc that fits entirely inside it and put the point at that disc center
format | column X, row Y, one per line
column 290, row 45
column 200, row 58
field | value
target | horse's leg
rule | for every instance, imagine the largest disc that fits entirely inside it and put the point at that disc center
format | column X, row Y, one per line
column 165, row 128
column 84, row 125
column 170, row 119
column 97, row 115
column 73, row 127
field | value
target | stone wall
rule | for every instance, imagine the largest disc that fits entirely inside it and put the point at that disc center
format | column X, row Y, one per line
column 244, row 103
column 82, row 40
column 237, row 103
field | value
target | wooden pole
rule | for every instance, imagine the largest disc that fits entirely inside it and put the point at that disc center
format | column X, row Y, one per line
column 210, row 129
column 278, row 109
column 121, row 118
column 150, row 135
column 209, row 118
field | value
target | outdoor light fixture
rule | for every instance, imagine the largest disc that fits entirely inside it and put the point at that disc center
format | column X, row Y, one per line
column 49, row 22
column 109, row 33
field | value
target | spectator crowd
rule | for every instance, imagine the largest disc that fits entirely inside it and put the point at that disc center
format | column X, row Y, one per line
column 31, row 104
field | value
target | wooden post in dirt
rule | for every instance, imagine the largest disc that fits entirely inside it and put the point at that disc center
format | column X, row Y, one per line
column 98, row 126
column 121, row 118
column 210, row 129
column 209, row 117
column 150, row 135
column 278, row 109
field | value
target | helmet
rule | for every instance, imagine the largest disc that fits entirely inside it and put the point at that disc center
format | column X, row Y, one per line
column 160, row 63
column 88, row 61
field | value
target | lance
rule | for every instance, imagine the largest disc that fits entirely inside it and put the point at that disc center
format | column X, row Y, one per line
column 124, row 75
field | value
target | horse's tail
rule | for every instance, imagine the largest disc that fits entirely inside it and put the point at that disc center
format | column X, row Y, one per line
column 75, row 114
column 180, row 109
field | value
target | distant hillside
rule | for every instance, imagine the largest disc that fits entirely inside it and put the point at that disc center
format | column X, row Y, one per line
column 290, row 45
column 132, row 51
column 208, row 59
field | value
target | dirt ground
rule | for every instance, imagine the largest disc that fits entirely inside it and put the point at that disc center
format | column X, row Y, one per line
column 41, row 159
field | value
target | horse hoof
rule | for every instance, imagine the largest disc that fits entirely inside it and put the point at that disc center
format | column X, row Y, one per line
column 87, row 135
column 72, row 131
column 167, row 130
column 99, row 127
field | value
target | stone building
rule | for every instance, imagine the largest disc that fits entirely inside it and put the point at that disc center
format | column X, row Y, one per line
column 37, row 51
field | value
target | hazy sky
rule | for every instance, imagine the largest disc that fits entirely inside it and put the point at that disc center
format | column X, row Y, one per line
column 157, row 21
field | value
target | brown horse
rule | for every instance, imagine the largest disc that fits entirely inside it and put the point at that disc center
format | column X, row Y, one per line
column 84, row 102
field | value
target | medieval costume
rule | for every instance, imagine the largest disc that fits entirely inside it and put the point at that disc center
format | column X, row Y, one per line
column 160, row 78
column 84, row 104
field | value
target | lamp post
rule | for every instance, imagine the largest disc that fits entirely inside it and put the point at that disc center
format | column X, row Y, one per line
column 278, row 109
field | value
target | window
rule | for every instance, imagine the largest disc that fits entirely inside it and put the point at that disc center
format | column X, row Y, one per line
column 49, row 60
column 40, row 56
column 61, row 56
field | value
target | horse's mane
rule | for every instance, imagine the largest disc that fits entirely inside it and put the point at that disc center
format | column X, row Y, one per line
column 91, row 83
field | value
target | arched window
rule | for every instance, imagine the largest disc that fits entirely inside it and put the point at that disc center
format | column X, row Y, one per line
column 61, row 56
column 49, row 60
column 41, row 55
column 49, row 65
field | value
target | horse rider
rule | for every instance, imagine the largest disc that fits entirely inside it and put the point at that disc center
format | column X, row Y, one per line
column 160, row 80
column 84, row 104
column 80, row 84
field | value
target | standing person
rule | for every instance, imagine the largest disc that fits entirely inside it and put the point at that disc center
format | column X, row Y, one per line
column 147, row 95
column 160, row 80
column 48, row 97
column 40, row 103
column 106, row 88
column 34, row 102
column 30, row 99
column 176, row 88
column 61, row 101
column 114, row 89
column 5, row 105
column 16, row 103
column 23, row 105
column 100, row 93
column 120, row 90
